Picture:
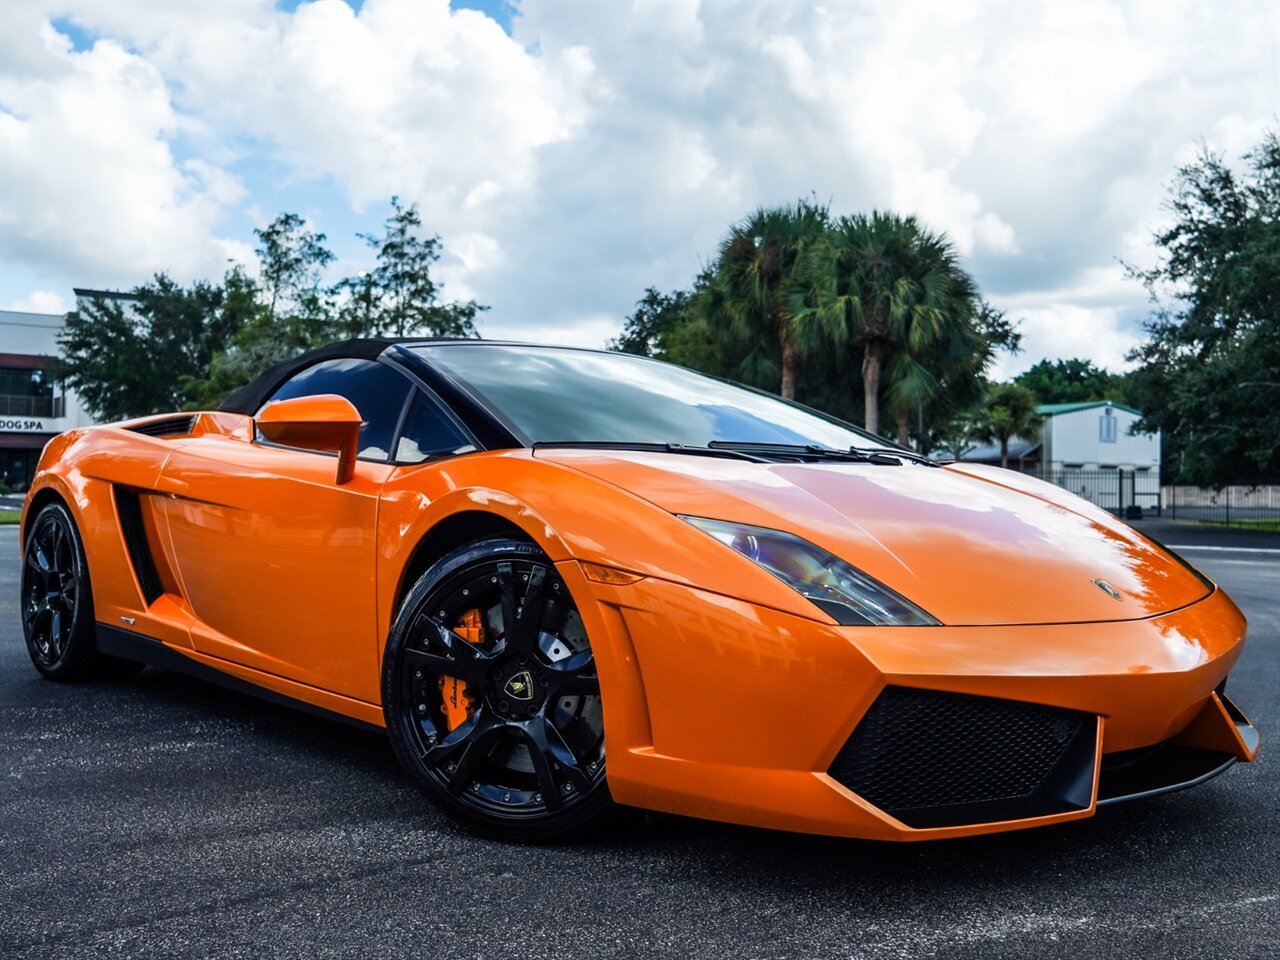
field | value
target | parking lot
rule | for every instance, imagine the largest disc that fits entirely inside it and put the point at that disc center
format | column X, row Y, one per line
column 165, row 817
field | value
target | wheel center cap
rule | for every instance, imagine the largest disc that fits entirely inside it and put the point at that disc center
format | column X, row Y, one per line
column 519, row 686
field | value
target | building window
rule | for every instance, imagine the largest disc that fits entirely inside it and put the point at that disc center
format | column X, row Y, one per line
column 1107, row 427
column 28, row 392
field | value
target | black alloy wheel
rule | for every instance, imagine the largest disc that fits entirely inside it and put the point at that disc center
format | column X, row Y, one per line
column 491, row 694
column 57, row 602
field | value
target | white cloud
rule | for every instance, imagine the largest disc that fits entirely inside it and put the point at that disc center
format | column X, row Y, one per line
column 41, row 301
column 91, row 187
column 1055, row 329
column 605, row 148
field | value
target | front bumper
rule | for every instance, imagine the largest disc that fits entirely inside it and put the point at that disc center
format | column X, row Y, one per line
column 721, row 709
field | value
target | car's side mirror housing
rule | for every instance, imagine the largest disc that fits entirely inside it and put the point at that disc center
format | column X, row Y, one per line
column 327, row 423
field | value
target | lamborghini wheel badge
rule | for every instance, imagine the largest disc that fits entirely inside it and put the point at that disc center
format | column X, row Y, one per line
column 520, row 686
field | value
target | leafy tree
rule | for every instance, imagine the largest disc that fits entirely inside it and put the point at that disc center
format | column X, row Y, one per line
column 961, row 360
column 129, row 358
column 399, row 297
column 656, row 316
column 1072, row 381
column 292, row 311
column 1208, row 374
column 747, row 293
column 895, row 292
column 1008, row 411
column 293, row 259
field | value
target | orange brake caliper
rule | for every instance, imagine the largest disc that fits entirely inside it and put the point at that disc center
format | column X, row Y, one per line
column 457, row 701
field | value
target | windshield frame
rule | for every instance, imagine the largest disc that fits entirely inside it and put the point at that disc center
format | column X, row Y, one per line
column 423, row 351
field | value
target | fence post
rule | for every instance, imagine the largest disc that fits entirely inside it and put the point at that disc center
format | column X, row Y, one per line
column 1228, row 506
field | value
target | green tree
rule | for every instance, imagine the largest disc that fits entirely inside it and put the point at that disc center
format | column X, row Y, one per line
column 748, row 292
column 129, row 358
column 894, row 291
column 293, row 259
column 399, row 297
column 654, row 319
column 1008, row 411
column 1072, row 381
column 1208, row 375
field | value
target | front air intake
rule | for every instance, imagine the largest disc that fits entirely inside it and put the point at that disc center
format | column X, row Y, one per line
column 935, row 759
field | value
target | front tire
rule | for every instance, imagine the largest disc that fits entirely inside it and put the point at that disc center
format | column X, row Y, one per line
column 491, row 697
column 57, row 603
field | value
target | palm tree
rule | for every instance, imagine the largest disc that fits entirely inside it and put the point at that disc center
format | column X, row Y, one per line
column 893, row 289
column 1008, row 411
column 748, row 292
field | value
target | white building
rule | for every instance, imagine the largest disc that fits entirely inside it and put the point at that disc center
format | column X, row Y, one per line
column 34, row 406
column 1089, row 448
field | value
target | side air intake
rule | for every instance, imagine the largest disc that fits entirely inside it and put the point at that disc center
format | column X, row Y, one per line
column 134, row 532
column 167, row 427
column 943, row 759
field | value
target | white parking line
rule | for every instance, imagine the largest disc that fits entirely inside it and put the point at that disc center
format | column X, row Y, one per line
column 1193, row 546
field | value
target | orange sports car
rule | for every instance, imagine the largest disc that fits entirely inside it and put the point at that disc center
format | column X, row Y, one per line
column 562, row 579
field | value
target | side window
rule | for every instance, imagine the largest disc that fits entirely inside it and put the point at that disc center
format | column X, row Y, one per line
column 428, row 433
column 374, row 389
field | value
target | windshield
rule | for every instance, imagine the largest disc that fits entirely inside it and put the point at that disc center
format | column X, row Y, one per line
column 559, row 395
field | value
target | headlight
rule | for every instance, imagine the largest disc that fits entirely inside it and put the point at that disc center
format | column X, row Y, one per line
column 845, row 593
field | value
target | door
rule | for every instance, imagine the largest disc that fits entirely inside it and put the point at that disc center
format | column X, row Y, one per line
column 278, row 560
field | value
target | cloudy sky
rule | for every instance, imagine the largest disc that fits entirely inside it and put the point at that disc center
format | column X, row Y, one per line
column 571, row 154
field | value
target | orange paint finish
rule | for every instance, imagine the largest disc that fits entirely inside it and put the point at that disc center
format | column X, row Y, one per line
column 726, row 694
column 967, row 552
column 795, row 689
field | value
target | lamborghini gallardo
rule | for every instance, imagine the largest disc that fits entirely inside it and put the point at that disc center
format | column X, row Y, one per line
column 563, row 580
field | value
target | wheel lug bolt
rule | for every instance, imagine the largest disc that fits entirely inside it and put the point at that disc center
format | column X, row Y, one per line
column 537, row 797
column 422, row 708
column 506, row 798
column 417, row 674
column 503, row 705
column 523, row 661
column 475, row 788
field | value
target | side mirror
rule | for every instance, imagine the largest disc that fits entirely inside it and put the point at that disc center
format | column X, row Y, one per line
column 327, row 422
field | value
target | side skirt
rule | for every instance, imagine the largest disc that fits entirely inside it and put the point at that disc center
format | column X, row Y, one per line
column 134, row 646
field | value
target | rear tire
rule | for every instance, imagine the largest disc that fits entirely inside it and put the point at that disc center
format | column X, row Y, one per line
column 56, row 603
column 491, row 697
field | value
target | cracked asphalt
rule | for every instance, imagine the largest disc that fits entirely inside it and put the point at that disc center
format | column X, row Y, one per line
column 165, row 817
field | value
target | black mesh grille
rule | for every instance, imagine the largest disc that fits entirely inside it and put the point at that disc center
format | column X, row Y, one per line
column 934, row 758
column 168, row 427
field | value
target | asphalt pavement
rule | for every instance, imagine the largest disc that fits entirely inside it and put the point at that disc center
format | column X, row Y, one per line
column 165, row 817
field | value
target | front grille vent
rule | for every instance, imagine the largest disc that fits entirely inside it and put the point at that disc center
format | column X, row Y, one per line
column 167, row 427
column 938, row 759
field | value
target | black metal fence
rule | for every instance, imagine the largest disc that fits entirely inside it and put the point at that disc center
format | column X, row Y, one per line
column 1138, row 493
column 1126, row 493
column 1233, row 506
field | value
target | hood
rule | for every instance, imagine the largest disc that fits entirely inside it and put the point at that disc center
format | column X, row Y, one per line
column 970, row 547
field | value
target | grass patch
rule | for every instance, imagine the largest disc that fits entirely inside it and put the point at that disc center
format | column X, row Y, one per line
column 1263, row 526
column 10, row 518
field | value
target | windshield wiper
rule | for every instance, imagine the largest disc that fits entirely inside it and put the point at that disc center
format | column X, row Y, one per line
column 811, row 452
column 708, row 451
column 895, row 452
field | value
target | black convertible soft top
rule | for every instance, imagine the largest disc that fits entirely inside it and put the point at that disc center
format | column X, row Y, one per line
column 250, row 398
